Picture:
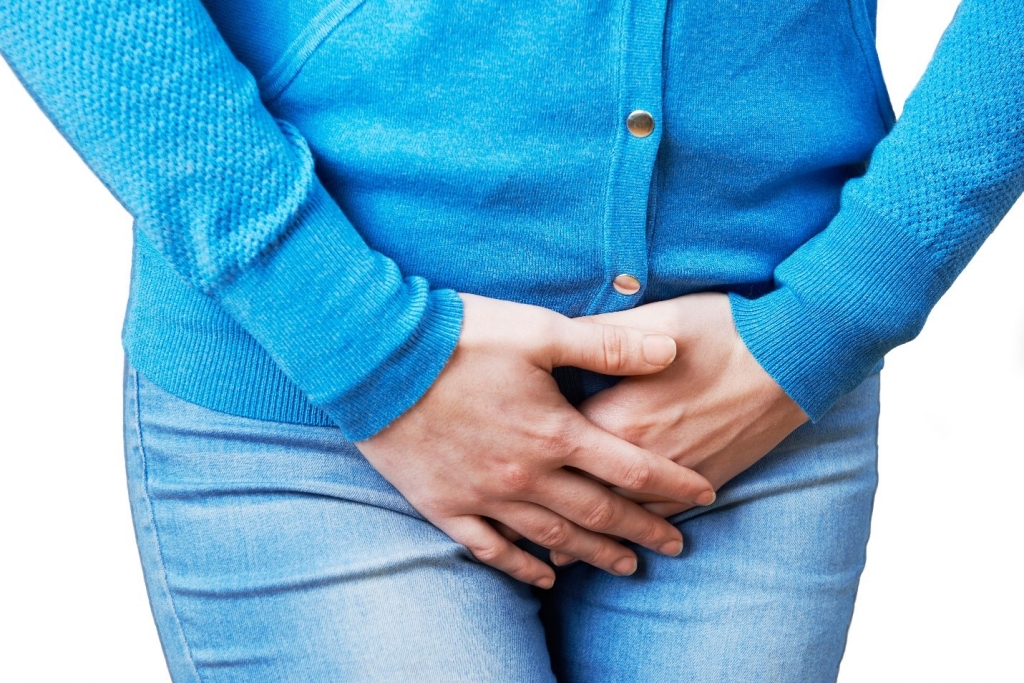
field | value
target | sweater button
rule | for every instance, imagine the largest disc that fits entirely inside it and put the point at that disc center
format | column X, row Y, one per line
column 640, row 123
column 626, row 284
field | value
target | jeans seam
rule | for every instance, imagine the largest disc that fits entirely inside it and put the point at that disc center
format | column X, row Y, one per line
column 156, row 532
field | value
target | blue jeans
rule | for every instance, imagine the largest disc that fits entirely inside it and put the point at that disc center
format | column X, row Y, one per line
column 274, row 552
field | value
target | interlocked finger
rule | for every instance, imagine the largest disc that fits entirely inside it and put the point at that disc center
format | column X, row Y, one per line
column 554, row 532
column 504, row 530
column 493, row 549
column 635, row 469
column 594, row 507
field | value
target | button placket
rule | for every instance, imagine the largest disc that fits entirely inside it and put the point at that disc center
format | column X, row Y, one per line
column 636, row 146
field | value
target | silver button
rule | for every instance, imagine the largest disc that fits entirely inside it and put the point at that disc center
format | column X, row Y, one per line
column 640, row 123
column 626, row 284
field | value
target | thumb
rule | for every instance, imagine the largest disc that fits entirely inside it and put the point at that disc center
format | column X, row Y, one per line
column 610, row 349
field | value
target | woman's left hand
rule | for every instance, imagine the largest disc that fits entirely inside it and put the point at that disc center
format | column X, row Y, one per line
column 714, row 409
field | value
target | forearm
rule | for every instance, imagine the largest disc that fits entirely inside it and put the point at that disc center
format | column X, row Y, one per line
column 154, row 101
column 936, row 186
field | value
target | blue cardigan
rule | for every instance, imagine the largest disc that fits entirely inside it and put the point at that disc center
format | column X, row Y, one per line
column 312, row 181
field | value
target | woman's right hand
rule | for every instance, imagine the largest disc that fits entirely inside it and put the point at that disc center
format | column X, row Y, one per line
column 494, row 438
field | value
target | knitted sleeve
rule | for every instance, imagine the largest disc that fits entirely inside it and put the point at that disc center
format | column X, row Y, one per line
column 153, row 100
column 936, row 186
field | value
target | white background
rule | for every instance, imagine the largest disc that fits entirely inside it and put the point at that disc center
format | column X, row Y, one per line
column 940, row 600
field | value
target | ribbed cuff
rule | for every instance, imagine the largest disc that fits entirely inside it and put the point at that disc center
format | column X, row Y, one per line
column 360, row 340
column 396, row 385
column 844, row 299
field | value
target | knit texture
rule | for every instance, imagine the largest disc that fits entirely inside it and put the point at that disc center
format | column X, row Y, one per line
column 937, row 185
column 152, row 98
column 312, row 182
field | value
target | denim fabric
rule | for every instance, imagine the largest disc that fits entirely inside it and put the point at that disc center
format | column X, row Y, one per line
column 274, row 552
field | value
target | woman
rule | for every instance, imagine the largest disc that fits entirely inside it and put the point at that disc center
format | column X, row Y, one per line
column 585, row 160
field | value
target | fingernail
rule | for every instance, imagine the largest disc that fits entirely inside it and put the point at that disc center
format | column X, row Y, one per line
column 659, row 349
column 671, row 548
column 706, row 498
column 559, row 559
column 624, row 566
column 545, row 583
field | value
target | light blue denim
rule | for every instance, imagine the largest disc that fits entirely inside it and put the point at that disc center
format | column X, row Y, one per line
column 274, row 552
